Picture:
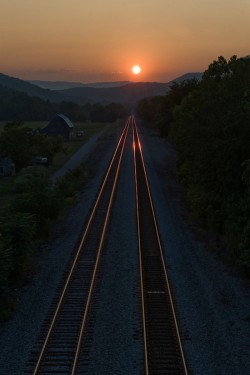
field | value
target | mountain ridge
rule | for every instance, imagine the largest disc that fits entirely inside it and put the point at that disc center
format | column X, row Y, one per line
column 127, row 93
column 30, row 89
column 63, row 85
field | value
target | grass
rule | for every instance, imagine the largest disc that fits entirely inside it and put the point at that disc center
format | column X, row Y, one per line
column 71, row 147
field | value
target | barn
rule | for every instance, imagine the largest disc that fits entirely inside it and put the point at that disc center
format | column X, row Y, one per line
column 59, row 125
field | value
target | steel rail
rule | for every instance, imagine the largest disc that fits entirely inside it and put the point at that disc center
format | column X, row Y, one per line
column 77, row 255
column 86, row 310
column 162, row 260
column 140, row 262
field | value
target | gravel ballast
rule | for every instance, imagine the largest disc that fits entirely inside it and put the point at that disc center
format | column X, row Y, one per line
column 18, row 336
column 213, row 306
column 116, row 347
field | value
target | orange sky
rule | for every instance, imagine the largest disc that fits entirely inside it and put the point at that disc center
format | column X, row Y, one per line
column 100, row 40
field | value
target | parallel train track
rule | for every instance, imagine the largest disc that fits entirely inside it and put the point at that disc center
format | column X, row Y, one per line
column 163, row 353
column 62, row 340
column 60, row 347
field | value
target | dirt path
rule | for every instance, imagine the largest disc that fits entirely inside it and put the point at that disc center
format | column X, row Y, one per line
column 80, row 155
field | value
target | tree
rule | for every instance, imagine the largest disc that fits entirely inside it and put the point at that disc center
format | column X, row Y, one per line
column 21, row 143
column 15, row 143
column 32, row 179
column 209, row 124
column 36, row 196
column 6, row 265
column 158, row 110
column 43, row 145
column 211, row 132
column 16, row 244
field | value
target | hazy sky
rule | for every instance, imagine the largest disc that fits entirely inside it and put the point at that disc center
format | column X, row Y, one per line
column 100, row 40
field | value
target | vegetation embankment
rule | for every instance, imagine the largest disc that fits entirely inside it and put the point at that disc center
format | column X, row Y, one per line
column 29, row 202
column 209, row 123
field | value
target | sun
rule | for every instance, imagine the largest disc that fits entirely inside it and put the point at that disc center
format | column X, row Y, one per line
column 136, row 69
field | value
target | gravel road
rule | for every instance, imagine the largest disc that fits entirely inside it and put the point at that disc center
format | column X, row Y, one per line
column 213, row 305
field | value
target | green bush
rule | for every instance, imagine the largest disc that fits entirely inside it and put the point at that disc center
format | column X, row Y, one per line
column 16, row 246
column 209, row 124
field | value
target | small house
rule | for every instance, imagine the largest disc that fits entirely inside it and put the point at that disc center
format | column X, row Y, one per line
column 59, row 126
column 7, row 167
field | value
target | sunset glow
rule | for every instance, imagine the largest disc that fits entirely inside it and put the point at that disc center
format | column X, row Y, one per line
column 95, row 41
column 136, row 69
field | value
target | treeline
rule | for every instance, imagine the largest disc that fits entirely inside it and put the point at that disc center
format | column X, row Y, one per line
column 209, row 123
column 33, row 204
column 21, row 143
column 18, row 106
column 30, row 204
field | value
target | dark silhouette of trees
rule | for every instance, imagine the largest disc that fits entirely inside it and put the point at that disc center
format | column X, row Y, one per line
column 21, row 143
column 18, row 106
column 209, row 123
column 107, row 113
column 16, row 245
column 159, row 110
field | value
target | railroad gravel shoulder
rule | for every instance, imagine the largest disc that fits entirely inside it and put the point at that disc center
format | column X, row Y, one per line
column 117, row 346
column 18, row 336
column 213, row 304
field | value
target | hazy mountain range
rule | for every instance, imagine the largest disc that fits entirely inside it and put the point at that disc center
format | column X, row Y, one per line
column 32, row 90
column 62, row 85
column 104, row 92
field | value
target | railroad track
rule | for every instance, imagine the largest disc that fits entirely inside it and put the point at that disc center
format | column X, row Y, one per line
column 163, row 353
column 66, row 340
column 59, row 348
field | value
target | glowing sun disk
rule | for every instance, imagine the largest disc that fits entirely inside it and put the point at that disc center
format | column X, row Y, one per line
column 136, row 69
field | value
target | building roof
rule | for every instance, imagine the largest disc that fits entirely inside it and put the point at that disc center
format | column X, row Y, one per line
column 59, row 125
column 66, row 120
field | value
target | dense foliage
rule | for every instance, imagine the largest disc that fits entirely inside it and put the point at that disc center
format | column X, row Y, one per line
column 32, row 204
column 27, row 219
column 21, row 143
column 18, row 106
column 209, row 123
column 159, row 110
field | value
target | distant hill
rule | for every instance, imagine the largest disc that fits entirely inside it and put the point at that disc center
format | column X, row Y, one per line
column 110, row 92
column 129, row 93
column 30, row 89
column 62, row 85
